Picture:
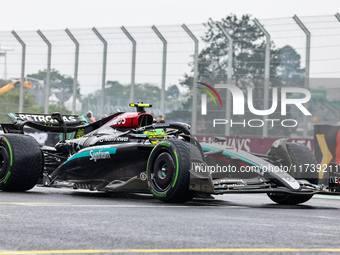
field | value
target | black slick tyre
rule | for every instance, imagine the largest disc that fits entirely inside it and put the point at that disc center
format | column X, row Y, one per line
column 168, row 171
column 21, row 162
column 305, row 168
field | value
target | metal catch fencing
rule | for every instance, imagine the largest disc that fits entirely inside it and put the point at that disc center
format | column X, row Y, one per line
column 105, row 69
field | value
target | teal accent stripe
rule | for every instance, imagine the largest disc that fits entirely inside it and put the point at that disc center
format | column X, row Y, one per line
column 232, row 155
column 70, row 135
column 84, row 154
column 84, row 119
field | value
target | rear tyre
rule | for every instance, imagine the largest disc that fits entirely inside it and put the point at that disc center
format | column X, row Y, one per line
column 168, row 171
column 21, row 162
column 305, row 168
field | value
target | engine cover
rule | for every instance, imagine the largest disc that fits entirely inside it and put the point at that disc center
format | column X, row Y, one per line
column 132, row 120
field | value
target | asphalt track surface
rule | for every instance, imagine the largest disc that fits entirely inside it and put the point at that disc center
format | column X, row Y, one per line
column 65, row 221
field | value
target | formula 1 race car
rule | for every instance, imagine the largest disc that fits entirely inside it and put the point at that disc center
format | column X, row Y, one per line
column 127, row 152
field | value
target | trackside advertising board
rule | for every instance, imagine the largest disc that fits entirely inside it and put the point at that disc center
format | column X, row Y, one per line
column 252, row 144
column 327, row 144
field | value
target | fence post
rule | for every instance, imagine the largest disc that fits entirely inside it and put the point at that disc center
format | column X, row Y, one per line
column 48, row 71
column 133, row 68
column 160, row 36
column 76, row 63
column 266, row 76
column 23, row 63
column 337, row 16
column 102, row 103
column 308, row 39
column 229, row 73
column 194, row 85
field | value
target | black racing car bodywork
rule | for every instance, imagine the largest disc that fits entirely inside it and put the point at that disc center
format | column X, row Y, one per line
column 128, row 152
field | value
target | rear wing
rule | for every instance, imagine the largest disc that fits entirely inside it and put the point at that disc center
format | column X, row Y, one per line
column 55, row 122
column 45, row 123
column 47, row 120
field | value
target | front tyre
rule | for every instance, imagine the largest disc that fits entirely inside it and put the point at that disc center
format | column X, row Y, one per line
column 168, row 171
column 21, row 162
column 305, row 163
column 289, row 199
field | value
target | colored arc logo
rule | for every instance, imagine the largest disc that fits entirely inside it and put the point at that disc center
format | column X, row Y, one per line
column 209, row 93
